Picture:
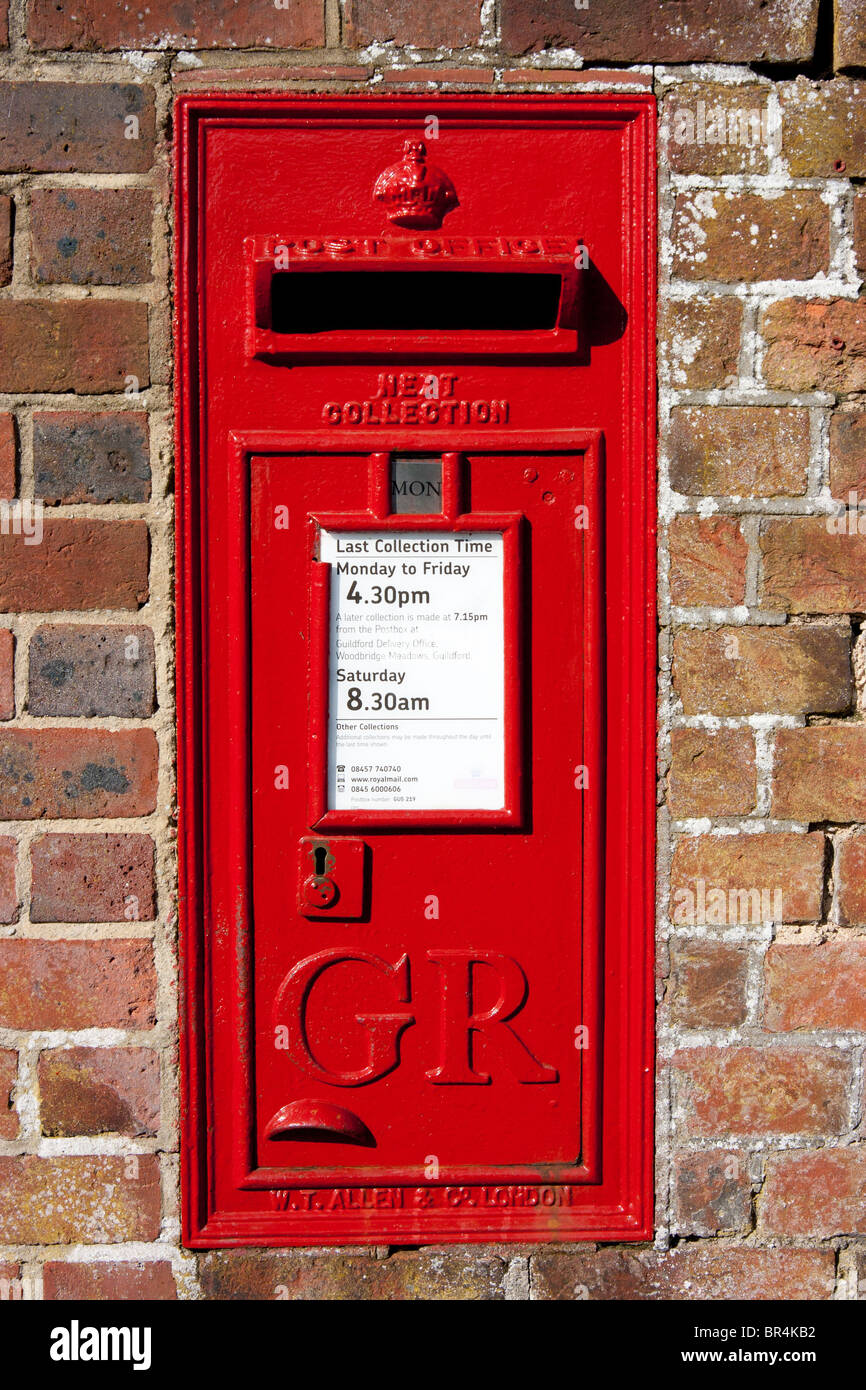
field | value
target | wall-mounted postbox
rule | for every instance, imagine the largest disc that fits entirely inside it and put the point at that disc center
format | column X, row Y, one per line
column 416, row 667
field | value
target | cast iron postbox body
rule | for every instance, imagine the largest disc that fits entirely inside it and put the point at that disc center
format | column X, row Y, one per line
column 415, row 583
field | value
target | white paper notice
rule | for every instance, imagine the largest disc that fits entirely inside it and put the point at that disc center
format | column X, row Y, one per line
column 416, row 691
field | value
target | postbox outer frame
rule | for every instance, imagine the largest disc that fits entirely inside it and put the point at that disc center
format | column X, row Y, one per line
column 617, row 1210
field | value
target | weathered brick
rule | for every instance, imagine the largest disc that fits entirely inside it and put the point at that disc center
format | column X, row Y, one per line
column 820, row 986
column 449, row 23
column 739, row 451
column 87, row 670
column 101, row 1200
column 756, row 1091
column 91, row 236
column 111, row 24
column 77, row 984
column 708, row 560
column 702, row 336
column 712, row 773
column 93, row 878
column 849, row 34
column 808, row 569
column 7, row 674
column 701, row 30
column 103, row 456
column 727, row 880
column 820, row 773
column 82, row 345
column 440, row 1275
column 850, row 874
column 78, row 564
column 822, row 1194
column 99, row 1090
column 694, row 1271
column 848, row 456
column 707, row 984
column 758, row 670
column 8, row 891
column 712, row 1192
column 727, row 236
column 815, row 344
column 89, row 127
column 824, row 127
column 716, row 129
column 8, row 454
column 6, row 213
column 8, row 1078
column 108, row 1281
column 67, row 773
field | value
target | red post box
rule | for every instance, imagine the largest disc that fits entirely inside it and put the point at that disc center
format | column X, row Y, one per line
column 416, row 667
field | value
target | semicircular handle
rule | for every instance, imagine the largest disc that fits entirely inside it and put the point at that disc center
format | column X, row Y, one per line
column 317, row 1121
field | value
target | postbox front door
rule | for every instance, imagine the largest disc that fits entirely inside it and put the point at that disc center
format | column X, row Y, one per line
column 414, row 717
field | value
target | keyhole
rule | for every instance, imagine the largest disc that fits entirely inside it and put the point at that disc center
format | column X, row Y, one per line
column 320, row 855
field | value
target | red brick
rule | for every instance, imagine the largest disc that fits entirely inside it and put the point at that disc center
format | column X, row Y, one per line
column 100, row 456
column 108, row 1281
column 217, row 76
column 850, row 874
column 712, row 773
column 59, row 1201
column 711, row 129
column 757, row 1091
column 849, row 34
column 431, row 1274
column 6, row 210
column 764, row 670
column 433, row 72
column 8, row 891
column 712, row 1192
column 821, row 1194
column 848, row 456
column 91, row 236
column 824, row 128
column 77, row 564
column 99, row 1090
column 820, row 986
column 708, row 561
column 815, row 344
column 733, row 237
column 820, row 773
column 66, row 773
column 8, row 1078
column 82, row 345
column 695, row 1271
column 77, row 984
column 702, row 336
column 8, row 454
column 55, row 127
column 602, row 77
column 808, row 569
column 7, row 674
column 707, row 984
column 737, row 450
column 10, row 1284
column 91, row 670
column 700, row 30
column 112, row 24
column 449, row 23
column 729, row 880
column 93, row 878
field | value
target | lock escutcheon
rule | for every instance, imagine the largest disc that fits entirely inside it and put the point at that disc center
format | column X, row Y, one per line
column 320, row 891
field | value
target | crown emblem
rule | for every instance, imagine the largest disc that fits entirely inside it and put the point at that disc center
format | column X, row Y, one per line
column 413, row 192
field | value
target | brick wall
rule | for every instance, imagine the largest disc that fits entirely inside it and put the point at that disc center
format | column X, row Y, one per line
column 762, row 804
